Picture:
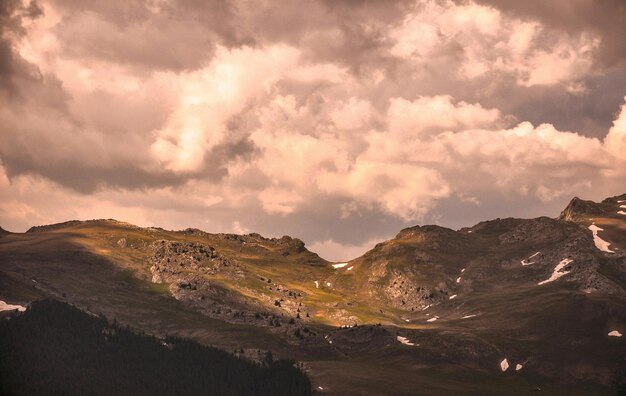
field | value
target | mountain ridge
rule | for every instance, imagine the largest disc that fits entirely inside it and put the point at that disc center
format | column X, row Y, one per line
column 466, row 299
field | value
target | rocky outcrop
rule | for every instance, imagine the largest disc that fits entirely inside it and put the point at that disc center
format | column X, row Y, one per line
column 176, row 262
column 403, row 292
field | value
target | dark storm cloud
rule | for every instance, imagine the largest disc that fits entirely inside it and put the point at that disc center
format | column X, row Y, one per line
column 12, row 15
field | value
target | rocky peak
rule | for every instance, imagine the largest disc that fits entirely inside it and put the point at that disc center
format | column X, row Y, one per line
column 579, row 208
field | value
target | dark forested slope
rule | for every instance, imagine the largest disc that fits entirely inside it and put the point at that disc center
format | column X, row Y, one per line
column 54, row 348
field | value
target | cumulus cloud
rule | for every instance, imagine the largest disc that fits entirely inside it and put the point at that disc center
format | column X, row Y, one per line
column 480, row 39
column 339, row 125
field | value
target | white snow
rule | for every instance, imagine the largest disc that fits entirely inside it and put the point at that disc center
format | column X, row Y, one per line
column 527, row 260
column 10, row 307
column 558, row 272
column 404, row 340
column 463, row 270
column 433, row 319
column 601, row 244
column 504, row 365
column 622, row 201
column 320, row 388
column 317, row 284
column 407, row 320
column 339, row 265
column 518, row 367
column 328, row 284
column 621, row 212
column 458, row 280
column 349, row 269
column 615, row 333
column 468, row 316
column 452, row 297
column 623, row 206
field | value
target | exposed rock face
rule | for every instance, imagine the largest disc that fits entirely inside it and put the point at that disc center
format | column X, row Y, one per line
column 404, row 293
column 176, row 261
column 3, row 231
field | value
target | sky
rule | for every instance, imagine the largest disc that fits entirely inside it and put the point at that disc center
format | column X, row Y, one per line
column 337, row 122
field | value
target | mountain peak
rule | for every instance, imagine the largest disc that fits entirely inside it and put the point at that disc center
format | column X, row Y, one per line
column 580, row 209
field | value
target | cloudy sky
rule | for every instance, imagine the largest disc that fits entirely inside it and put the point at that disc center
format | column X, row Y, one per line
column 339, row 122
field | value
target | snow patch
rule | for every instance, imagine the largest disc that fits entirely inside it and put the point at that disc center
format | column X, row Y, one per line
column 469, row 316
column 601, row 244
column 349, row 269
column 452, row 297
column 407, row 320
column 558, row 272
column 621, row 212
column 458, row 280
column 504, row 365
column 328, row 284
column 518, row 367
column 317, row 284
column 10, row 307
column 463, row 270
column 615, row 333
column 621, row 201
column 339, row 265
column 404, row 341
column 433, row 319
column 527, row 261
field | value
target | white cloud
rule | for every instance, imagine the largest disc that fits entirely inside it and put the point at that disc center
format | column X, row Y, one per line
column 352, row 114
column 412, row 117
column 208, row 97
column 490, row 41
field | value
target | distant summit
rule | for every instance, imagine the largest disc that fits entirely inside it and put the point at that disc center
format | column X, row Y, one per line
column 579, row 209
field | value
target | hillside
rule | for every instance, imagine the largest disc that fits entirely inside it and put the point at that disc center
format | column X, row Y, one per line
column 54, row 348
column 508, row 305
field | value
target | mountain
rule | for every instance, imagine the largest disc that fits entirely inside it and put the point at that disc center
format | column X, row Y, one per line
column 506, row 306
